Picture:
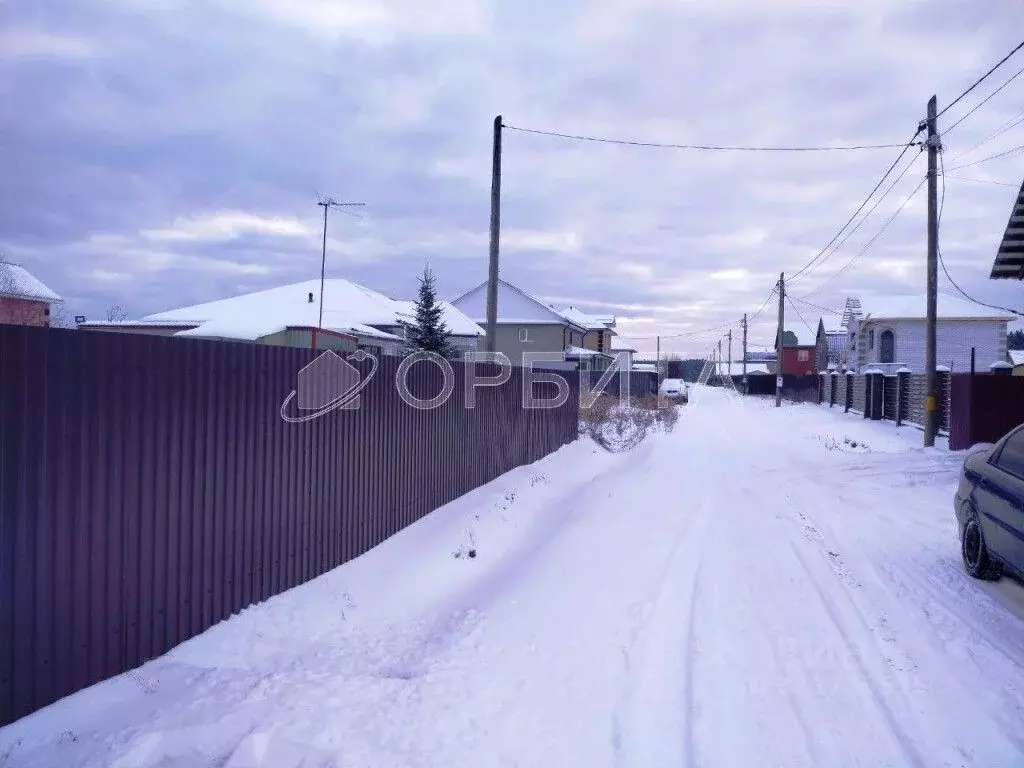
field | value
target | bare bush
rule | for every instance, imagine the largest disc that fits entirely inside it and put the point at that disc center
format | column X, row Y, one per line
column 618, row 427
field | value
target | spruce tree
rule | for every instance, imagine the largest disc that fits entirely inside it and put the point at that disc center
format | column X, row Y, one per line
column 429, row 332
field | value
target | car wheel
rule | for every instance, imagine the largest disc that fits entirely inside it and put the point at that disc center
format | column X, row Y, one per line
column 973, row 549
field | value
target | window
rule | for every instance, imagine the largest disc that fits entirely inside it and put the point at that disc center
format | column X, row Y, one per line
column 1011, row 458
column 871, row 339
column 803, row 355
column 600, row 341
column 524, row 334
column 887, row 342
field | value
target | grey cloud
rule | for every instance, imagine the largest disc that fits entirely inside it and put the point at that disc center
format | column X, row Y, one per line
column 130, row 116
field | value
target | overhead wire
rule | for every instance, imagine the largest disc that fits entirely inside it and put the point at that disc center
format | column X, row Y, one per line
column 980, row 181
column 942, row 262
column 793, row 305
column 838, row 245
column 701, row 147
column 1014, row 150
column 870, row 242
column 1010, row 124
column 860, row 208
column 818, row 307
column 981, row 103
column 981, row 79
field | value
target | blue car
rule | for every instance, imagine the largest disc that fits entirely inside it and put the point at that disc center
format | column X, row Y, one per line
column 990, row 509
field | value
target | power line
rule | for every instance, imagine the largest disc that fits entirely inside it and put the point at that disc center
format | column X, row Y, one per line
column 1013, row 122
column 990, row 157
column 815, row 306
column 942, row 262
column 981, row 181
column 975, row 108
column 870, row 242
column 761, row 309
column 981, row 79
column 860, row 208
column 704, row 147
column 837, row 246
column 812, row 330
column 683, row 334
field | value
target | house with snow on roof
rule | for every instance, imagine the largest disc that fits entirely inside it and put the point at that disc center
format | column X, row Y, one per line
column 354, row 317
column 889, row 334
column 572, row 339
column 24, row 299
column 1017, row 361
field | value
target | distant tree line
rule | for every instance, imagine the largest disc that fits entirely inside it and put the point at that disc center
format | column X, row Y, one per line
column 1015, row 339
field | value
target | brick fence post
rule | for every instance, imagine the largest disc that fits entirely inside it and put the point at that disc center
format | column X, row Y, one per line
column 867, row 394
column 833, row 383
column 945, row 380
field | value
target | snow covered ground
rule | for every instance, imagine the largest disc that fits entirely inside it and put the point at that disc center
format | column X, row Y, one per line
column 761, row 587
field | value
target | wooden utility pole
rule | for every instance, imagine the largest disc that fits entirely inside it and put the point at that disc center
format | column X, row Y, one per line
column 657, row 360
column 780, row 340
column 744, row 353
column 718, row 365
column 931, row 376
column 728, row 361
column 492, row 274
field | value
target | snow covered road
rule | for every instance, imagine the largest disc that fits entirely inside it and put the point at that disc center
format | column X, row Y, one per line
column 761, row 587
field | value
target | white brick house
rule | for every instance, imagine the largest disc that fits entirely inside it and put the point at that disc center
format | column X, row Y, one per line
column 890, row 334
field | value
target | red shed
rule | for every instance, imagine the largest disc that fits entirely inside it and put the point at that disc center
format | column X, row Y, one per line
column 798, row 353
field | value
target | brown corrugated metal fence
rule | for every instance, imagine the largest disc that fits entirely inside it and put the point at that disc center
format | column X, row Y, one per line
column 149, row 488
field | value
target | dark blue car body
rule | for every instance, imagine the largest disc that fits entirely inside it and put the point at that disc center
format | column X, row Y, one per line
column 991, row 493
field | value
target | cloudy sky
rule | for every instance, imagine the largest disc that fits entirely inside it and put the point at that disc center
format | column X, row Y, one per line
column 158, row 153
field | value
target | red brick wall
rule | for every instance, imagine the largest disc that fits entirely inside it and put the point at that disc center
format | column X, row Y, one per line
column 24, row 312
column 793, row 365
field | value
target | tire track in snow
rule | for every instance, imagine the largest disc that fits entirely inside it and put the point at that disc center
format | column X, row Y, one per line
column 892, row 724
column 651, row 700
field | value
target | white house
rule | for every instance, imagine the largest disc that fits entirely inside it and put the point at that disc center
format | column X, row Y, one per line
column 890, row 334
column 289, row 315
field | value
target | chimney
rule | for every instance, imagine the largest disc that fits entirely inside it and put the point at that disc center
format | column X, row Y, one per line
column 310, row 297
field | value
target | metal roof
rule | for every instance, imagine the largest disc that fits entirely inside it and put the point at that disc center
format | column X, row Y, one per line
column 1009, row 263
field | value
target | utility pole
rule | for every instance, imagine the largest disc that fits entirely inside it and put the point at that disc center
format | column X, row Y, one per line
column 718, row 365
column 744, row 353
column 325, row 203
column 728, row 362
column 657, row 360
column 780, row 340
column 492, row 274
column 931, row 376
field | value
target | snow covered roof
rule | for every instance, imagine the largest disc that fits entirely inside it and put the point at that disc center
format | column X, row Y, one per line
column 1017, row 356
column 914, row 308
column 645, row 367
column 348, row 308
column 18, row 283
column 737, row 368
column 457, row 322
column 588, row 321
column 515, row 307
column 581, row 352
